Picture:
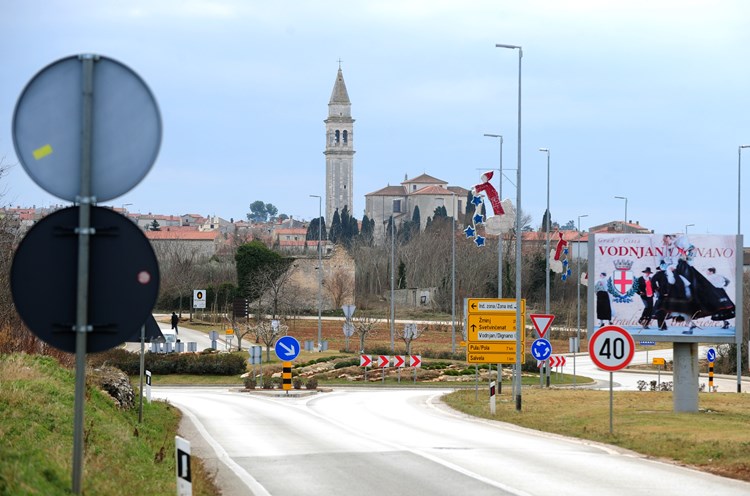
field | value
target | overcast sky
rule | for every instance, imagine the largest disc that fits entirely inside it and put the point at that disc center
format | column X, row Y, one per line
column 647, row 100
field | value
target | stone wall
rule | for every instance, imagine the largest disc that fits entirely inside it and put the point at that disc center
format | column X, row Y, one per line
column 338, row 269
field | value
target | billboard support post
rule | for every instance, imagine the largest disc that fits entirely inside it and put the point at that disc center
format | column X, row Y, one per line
column 685, row 377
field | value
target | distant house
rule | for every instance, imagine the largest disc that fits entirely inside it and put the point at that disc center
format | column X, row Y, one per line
column 201, row 244
column 424, row 191
column 618, row 226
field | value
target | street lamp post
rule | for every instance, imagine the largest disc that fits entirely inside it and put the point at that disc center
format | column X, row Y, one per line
column 546, row 245
column 453, row 277
column 738, row 321
column 500, row 235
column 547, row 226
column 625, row 221
column 686, row 227
column 320, row 270
column 520, row 325
column 578, row 286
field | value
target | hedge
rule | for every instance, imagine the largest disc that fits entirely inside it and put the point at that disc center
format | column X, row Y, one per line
column 173, row 363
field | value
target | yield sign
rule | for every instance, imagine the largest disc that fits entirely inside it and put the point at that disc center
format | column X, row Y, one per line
column 541, row 322
column 365, row 361
column 399, row 361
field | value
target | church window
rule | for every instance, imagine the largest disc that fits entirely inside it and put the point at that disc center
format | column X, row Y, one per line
column 346, row 136
column 396, row 206
column 337, row 137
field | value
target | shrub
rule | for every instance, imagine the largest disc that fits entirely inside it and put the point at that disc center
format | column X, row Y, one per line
column 312, row 383
column 173, row 363
column 346, row 363
column 297, row 383
column 250, row 382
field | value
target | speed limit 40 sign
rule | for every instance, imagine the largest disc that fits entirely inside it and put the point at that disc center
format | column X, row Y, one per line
column 611, row 348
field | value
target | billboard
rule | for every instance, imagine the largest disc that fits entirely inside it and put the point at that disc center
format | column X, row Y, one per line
column 667, row 287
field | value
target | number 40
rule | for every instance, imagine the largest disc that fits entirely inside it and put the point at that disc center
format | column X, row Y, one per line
column 613, row 348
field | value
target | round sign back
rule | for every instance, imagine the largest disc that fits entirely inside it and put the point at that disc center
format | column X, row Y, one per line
column 47, row 128
column 123, row 279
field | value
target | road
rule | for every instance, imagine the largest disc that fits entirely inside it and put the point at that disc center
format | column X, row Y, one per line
column 405, row 441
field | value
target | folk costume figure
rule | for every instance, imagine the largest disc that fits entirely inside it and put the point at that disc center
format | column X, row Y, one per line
column 603, row 305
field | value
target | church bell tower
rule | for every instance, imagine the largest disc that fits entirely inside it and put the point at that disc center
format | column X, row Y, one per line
column 339, row 151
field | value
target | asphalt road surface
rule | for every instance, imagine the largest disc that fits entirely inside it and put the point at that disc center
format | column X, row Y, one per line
column 405, row 441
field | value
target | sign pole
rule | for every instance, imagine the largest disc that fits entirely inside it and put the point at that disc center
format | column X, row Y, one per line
column 82, row 296
column 611, row 394
column 142, row 367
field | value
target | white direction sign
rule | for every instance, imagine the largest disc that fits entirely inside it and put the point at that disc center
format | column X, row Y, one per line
column 611, row 348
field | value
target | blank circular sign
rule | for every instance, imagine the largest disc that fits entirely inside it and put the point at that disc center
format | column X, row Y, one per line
column 48, row 120
column 123, row 279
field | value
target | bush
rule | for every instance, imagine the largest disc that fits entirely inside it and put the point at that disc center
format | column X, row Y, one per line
column 173, row 363
column 250, row 383
column 297, row 383
column 312, row 383
column 346, row 363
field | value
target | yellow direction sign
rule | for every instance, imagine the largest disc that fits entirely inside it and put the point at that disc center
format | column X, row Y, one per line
column 493, row 305
column 496, row 323
column 493, row 357
column 498, row 347
column 230, row 331
column 659, row 361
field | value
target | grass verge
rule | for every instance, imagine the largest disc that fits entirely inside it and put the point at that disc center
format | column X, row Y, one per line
column 121, row 455
column 715, row 439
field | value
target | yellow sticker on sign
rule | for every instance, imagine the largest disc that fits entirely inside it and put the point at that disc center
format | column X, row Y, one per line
column 42, row 152
column 230, row 331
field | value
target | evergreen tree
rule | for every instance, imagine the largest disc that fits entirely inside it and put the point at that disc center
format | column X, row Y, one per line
column 401, row 284
column 366, row 234
column 335, row 234
column 154, row 226
column 470, row 208
column 416, row 218
column 312, row 229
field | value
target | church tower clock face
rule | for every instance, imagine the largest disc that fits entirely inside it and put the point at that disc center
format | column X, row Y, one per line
column 339, row 151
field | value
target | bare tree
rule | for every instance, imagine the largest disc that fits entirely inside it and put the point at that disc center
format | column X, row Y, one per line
column 364, row 327
column 267, row 332
column 409, row 333
column 339, row 286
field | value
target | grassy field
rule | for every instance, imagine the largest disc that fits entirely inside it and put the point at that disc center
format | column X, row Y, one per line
column 716, row 439
column 122, row 457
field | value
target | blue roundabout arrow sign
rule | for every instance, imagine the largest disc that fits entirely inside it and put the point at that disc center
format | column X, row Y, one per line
column 541, row 349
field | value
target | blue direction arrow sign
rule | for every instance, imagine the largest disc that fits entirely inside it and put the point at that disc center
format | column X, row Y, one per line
column 287, row 348
column 541, row 349
column 711, row 355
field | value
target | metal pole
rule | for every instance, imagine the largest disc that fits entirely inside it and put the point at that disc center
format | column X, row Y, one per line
column 578, row 287
column 520, row 325
column 320, row 270
column 142, row 370
column 547, row 227
column 393, row 303
column 739, row 232
column 686, row 227
column 82, row 295
column 453, row 278
column 626, row 211
column 500, row 235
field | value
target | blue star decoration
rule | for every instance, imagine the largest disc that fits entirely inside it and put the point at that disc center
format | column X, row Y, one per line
column 478, row 218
